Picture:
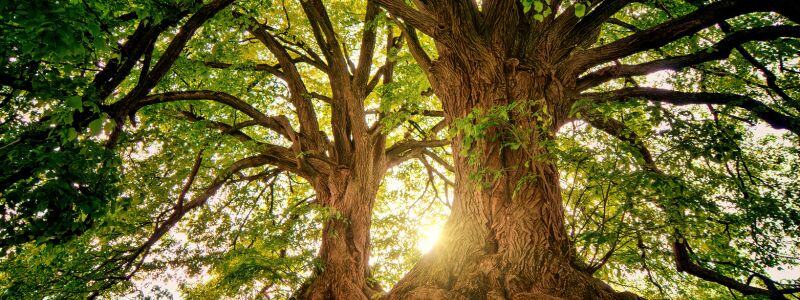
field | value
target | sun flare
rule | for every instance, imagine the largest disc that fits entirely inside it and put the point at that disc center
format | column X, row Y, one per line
column 429, row 235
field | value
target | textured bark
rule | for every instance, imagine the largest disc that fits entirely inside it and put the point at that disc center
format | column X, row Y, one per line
column 344, row 253
column 505, row 238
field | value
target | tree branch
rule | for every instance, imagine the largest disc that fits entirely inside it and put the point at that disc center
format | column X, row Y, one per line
column 680, row 246
column 367, row 49
column 309, row 125
column 770, row 77
column 674, row 29
column 139, row 253
column 618, row 130
column 117, row 69
column 415, row 47
column 441, row 161
column 386, row 71
column 171, row 53
column 403, row 151
column 774, row 118
column 719, row 51
column 587, row 29
column 623, row 24
column 272, row 69
column 190, row 180
column 310, row 57
column 233, row 131
column 279, row 124
column 684, row 263
column 424, row 112
column 417, row 19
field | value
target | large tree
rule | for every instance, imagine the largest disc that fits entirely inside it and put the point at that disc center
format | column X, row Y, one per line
column 510, row 74
column 344, row 160
column 246, row 142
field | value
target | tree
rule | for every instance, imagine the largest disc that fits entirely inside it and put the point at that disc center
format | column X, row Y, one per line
column 344, row 161
column 247, row 142
column 31, row 156
column 509, row 75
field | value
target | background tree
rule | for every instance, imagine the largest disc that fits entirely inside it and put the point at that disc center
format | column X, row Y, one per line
column 60, row 69
column 245, row 68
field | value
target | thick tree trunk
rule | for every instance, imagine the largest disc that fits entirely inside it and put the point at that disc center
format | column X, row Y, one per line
column 349, row 194
column 503, row 241
column 505, row 238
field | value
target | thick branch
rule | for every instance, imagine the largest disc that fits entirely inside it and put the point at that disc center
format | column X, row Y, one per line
column 587, row 29
column 117, row 69
column 367, row 49
column 684, row 263
column 309, row 125
column 415, row 47
column 172, row 52
column 417, row 19
column 278, row 124
column 770, row 77
column 327, row 39
column 348, row 90
column 674, row 29
column 403, row 151
column 272, row 69
column 774, row 118
column 719, row 51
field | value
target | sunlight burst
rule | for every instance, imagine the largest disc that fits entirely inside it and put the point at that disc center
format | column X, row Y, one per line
column 429, row 236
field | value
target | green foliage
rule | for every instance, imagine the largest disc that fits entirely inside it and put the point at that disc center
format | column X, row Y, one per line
column 715, row 181
column 75, row 213
column 541, row 8
column 60, row 191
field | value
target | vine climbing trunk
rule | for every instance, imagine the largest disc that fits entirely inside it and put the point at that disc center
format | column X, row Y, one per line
column 505, row 238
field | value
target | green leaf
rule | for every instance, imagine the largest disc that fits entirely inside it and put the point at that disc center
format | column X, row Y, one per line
column 580, row 10
column 74, row 102
column 547, row 11
column 110, row 125
column 538, row 6
column 71, row 134
column 96, row 126
column 538, row 17
column 526, row 5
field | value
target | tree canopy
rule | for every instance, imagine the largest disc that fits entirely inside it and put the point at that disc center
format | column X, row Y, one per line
column 313, row 149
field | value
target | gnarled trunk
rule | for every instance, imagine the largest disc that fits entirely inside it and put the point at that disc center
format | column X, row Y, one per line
column 505, row 238
column 503, row 241
column 349, row 194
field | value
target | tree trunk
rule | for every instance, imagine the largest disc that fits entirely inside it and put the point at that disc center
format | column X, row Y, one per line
column 349, row 195
column 505, row 238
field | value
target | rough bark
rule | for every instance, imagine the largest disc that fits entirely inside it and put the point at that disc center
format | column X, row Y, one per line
column 505, row 238
column 344, row 253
